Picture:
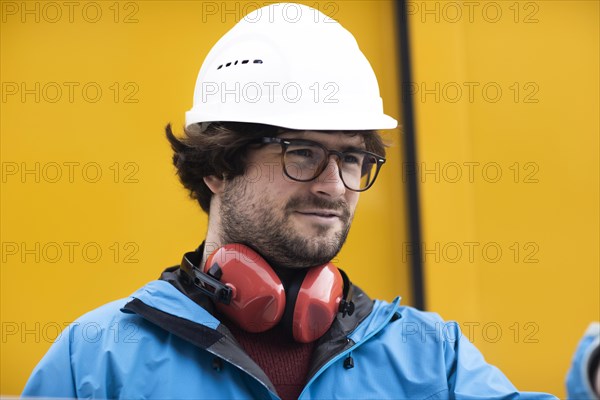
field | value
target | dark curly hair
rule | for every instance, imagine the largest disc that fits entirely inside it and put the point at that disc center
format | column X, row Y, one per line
column 221, row 150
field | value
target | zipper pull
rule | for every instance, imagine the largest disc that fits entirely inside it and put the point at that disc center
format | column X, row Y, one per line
column 349, row 362
column 217, row 364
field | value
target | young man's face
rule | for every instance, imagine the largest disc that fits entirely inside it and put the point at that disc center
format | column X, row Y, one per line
column 292, row 224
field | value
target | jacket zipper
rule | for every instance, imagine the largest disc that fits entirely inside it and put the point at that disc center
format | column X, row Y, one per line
column 349, row 350
column 242, row 369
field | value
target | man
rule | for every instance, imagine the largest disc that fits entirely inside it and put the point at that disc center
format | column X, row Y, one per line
column 279, row 144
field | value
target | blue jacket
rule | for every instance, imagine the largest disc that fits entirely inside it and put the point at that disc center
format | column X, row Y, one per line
column 585, row 358
column 161, row 344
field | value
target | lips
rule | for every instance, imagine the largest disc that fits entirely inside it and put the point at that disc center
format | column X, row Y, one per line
column 325, row 214
column 321, row 213
column 319, row 207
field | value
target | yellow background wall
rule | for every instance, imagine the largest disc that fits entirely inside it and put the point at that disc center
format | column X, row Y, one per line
column 105, row 181
column 507, row 114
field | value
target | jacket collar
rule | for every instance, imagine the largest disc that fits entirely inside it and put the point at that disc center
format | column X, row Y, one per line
column 341, row 326
column 163, row 296
column 175, row 305
column 166, row 295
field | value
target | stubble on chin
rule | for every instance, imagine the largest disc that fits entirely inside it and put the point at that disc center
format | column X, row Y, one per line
column 256, row 222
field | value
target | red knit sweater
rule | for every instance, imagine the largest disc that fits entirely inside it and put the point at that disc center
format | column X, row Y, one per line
column 283, row 360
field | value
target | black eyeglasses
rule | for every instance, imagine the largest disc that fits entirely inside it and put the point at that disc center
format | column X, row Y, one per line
column 304, row 160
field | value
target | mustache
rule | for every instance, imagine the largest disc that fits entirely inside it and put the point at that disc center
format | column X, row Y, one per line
column 318, row 203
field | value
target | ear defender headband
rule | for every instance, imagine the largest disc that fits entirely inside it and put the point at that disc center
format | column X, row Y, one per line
column 248, row 291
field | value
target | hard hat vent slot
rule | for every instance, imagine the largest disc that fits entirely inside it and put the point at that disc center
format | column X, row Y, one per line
column 243, row 62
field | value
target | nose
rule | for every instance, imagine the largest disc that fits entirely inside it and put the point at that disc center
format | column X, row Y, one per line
column 329, row 183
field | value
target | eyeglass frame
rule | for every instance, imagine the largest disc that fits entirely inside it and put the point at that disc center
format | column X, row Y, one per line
column 339, row 154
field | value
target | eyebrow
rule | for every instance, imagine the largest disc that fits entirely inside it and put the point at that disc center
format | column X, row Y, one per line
column 348, row 147
column 354, row 148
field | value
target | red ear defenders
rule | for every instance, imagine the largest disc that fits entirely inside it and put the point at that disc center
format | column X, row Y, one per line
column 249, row 292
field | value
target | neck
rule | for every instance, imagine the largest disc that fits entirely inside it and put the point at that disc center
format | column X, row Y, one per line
column 213, row 239
column 288, row 275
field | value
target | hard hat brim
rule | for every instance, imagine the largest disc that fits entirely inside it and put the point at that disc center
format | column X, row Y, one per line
column 353, row 122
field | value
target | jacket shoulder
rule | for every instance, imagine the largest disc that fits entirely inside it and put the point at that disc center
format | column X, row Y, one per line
column 57, row 372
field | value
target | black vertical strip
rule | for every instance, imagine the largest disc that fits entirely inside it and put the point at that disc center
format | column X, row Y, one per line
column 409, row 167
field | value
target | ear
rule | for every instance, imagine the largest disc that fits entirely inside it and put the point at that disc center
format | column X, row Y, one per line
column 214, row 183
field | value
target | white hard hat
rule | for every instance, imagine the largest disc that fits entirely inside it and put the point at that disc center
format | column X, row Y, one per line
column 291, row 66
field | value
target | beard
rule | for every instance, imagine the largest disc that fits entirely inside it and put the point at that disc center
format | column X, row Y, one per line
column 258, row 221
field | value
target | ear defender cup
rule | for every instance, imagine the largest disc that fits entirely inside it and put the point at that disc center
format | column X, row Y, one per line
column 258, row 296
column 259, row 301
column 317, row 303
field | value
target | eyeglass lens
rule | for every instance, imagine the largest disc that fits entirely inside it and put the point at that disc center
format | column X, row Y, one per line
column 305, row 161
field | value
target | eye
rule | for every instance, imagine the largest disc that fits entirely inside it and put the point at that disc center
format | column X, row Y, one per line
column 352, row 158
column 303, row 152
column 368, row 165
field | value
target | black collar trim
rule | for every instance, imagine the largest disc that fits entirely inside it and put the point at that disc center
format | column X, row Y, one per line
column 200, row 335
